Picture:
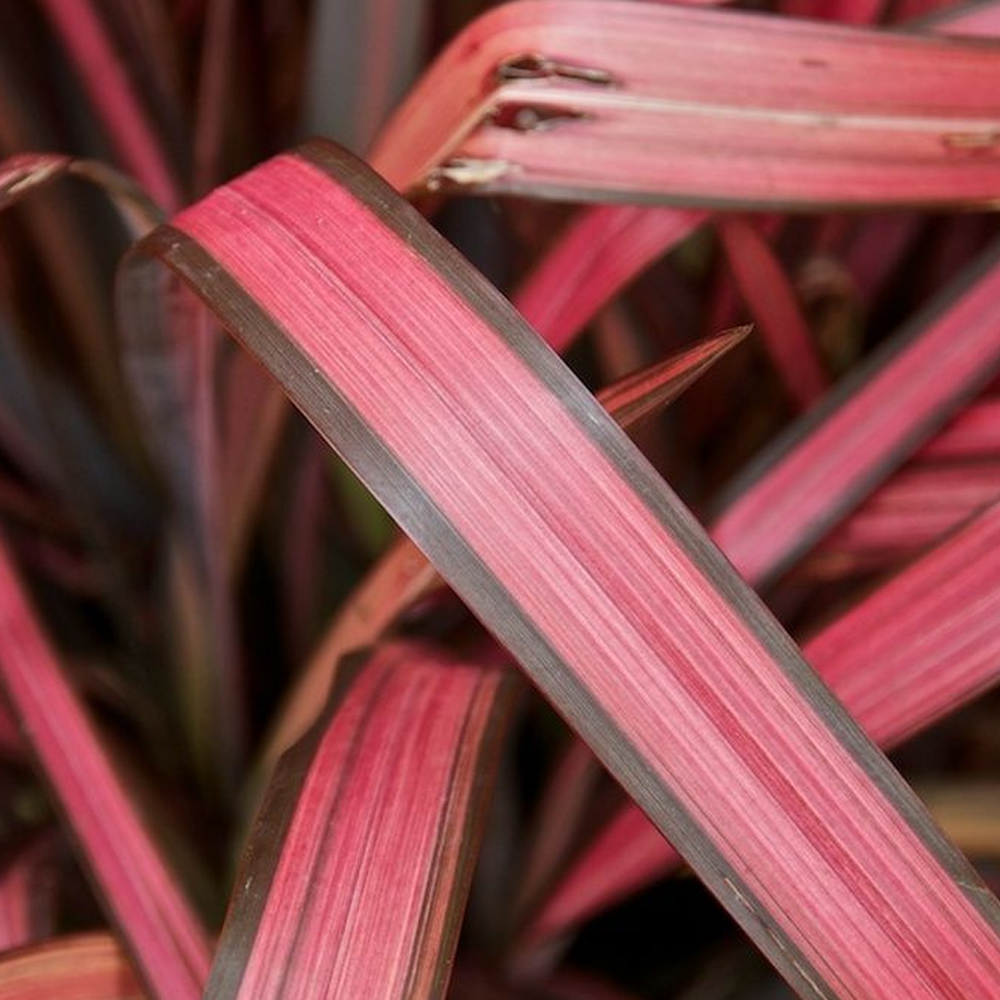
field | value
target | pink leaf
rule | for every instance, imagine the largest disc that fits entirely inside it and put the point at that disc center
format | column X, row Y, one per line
column 27, row 891
column 767, row 291
column 593, row 100
column 864, row 429
column 400, row 770
column 102, row 71
column 913, row 509
column 601, row 251
column 402, row 576
column 475, row 436
column 974, row 433
column 910, row 653
column 142, row 897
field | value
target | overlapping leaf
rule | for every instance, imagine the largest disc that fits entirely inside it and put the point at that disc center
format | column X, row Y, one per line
column 323, row 907
column 402, row 576
column 826, row 463
column 576, row 99
column 554, row 530
column 913, row 651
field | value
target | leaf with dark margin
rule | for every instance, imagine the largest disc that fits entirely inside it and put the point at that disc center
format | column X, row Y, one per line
column 475, row 436
column 828, row 461
column 877, row 660
column 402, row 575
column 399, row 768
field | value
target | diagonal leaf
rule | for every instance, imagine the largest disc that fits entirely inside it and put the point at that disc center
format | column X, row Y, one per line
column 977, row 17
column 164, row 934
column 974, row 433
column 601, row 251
column 551, row 526
column 913, row 651
column 402, row 576
column 914, row 508
column 864, row 429
column 774, row 306
column 104, row 76
column 401, row 769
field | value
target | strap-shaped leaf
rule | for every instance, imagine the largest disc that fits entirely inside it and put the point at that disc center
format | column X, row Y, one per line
column 914, row 650
column 355, row 877
column 601, row 251
column 575, row 98
column 829, row 460
column 917, row 506
column 767, row 291
column 163, row 932
column 402, row 575
column 544, row 517
column 105, row 78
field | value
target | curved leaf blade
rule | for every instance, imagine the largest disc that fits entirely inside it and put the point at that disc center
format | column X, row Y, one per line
column 698, row 106
column 401, row 768
column 877, row 659
column 618, row 607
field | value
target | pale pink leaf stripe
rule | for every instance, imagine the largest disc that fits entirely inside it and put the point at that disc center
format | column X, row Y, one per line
column 493, row 436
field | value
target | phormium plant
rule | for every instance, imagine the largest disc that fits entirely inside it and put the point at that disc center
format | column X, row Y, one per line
column 572, row 733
